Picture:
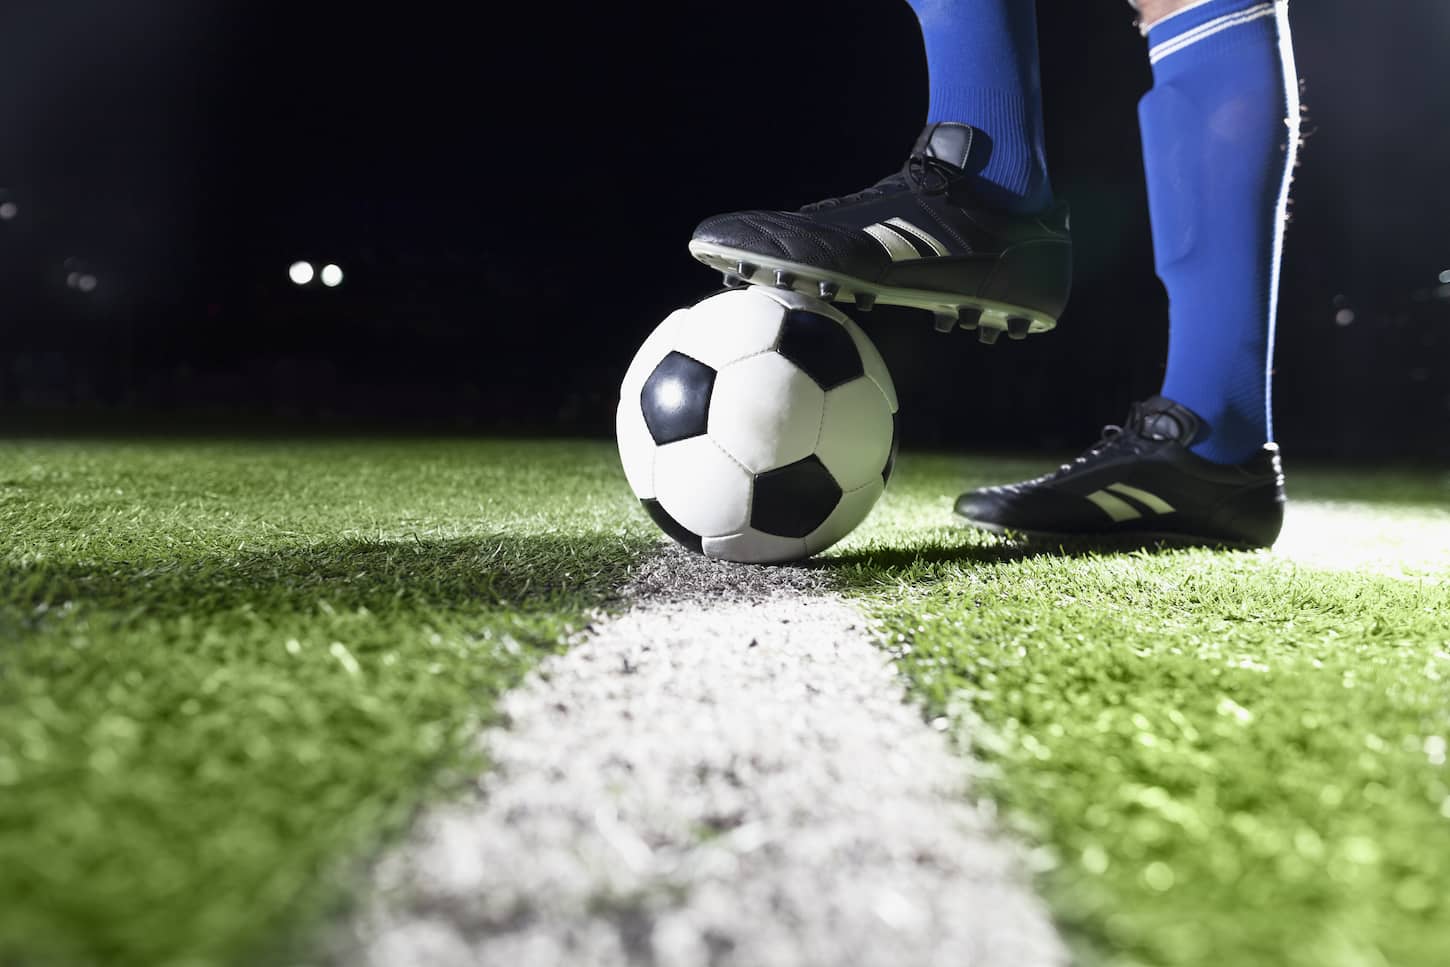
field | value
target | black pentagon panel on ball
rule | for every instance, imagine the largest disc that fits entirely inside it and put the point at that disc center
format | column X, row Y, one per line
column 794, row 500
column 672, row 527
column 891, row 457
column 821, row 347
column 676, row 398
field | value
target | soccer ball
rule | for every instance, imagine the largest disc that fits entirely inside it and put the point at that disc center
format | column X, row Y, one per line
column 758, row 425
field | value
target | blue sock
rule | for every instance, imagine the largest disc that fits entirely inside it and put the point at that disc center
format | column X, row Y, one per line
column 1220, row 130
column 982, row 58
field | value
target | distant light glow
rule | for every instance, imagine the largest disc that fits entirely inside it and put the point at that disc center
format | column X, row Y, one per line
column 331, row 275
column 87, row 283
column 73, row 280
column 1445, row 277
column 1344, row 317
column 300, row 273
column 8, row 210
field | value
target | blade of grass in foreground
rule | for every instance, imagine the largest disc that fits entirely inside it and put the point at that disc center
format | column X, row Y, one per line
column 229, row 670
column 1226, row 758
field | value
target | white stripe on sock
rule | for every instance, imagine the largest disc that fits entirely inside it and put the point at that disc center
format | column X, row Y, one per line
column 1204, row 31
column 1145, row 27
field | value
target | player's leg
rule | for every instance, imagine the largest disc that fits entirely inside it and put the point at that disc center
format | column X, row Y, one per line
column 967, row 228
column 1220, row 130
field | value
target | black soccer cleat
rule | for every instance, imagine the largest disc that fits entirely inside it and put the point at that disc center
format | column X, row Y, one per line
column 1141, row 485
column 916, row 238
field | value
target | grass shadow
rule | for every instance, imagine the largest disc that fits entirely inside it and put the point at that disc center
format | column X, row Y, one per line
column 522, row 572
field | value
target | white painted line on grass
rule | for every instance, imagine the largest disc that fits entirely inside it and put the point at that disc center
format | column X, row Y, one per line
column 731, row 777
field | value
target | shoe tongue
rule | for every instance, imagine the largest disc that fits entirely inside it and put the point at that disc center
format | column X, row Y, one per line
column 1159, row 418
column 948, row 141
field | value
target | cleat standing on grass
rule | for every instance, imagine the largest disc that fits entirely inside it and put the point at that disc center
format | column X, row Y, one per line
column 917, row 238
column 1140, row 484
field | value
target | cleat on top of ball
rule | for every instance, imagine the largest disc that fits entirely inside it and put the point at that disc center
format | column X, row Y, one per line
column 929, row 235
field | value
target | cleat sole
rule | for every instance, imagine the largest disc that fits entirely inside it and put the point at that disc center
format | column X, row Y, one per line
column 1122, row 540
column 971, row 312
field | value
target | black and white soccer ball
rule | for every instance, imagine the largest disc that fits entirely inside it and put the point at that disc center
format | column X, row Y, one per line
column 758, row 425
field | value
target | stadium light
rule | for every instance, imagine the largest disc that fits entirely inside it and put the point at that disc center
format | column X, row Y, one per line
column 331, row 276
column 300, row 273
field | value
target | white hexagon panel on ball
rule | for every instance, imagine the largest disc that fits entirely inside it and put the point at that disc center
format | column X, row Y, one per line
column 702, row 487
column 856, row 433
column 766, row 412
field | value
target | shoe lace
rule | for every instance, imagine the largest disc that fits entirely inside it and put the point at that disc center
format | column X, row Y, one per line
column 922, row 173
column 1112, row 435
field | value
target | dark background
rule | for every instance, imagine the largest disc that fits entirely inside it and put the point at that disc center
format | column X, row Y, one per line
column 509, row 190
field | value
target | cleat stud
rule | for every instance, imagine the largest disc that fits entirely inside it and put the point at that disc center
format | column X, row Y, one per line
column 783, row 279
column 988, row 335
column 945, row 321
column 732, row 281
column 969, row 317
column 744, row 269
column 865, row 300
column 1018, row 327
column 828, row 290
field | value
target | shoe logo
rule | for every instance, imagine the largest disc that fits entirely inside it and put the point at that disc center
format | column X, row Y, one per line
column 1120, row 510
column 904, row 241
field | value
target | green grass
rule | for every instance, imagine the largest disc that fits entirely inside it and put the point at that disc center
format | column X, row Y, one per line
column 1223, row 758
column 228, row 671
